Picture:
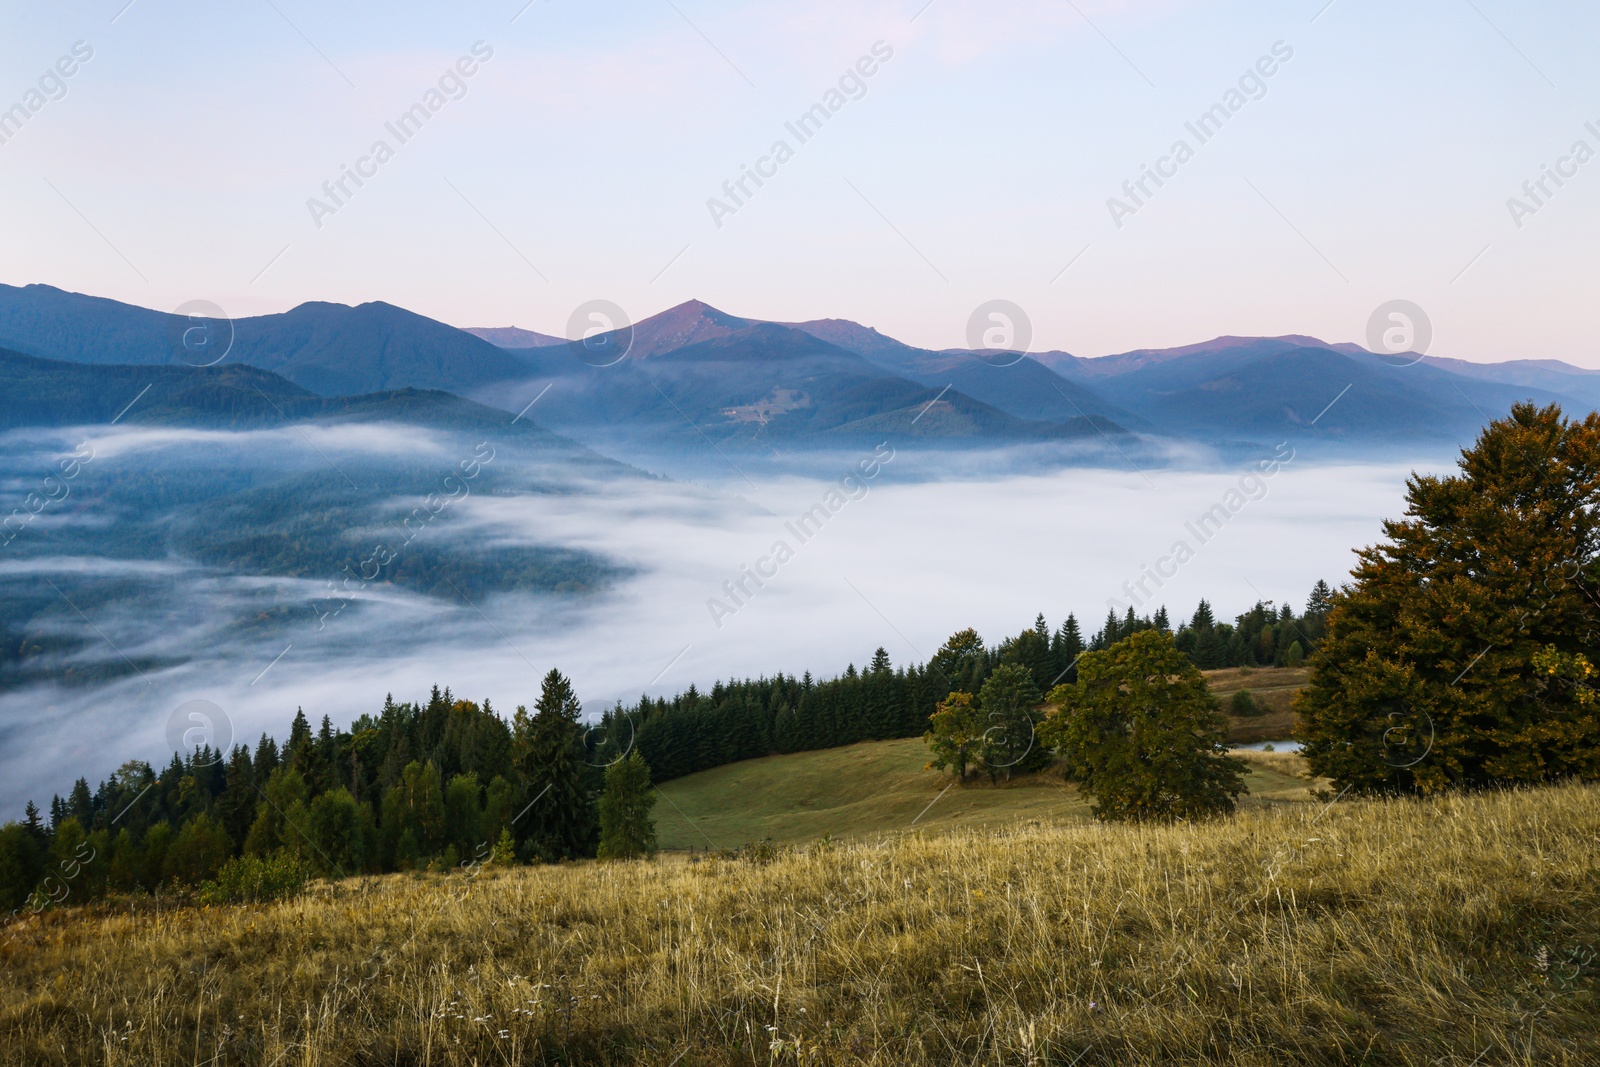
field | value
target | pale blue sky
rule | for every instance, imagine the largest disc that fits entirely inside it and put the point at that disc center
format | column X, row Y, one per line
column 977, row 165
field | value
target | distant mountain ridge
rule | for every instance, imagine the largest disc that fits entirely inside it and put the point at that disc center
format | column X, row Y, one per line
column 695, row 373
column 39, row 392
column 332, row 349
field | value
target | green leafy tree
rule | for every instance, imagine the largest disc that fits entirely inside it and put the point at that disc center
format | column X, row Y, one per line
column 285, row 789
column 626, row 829
column 1142, row 734
column 1008, row 707
column 413, row 815
column 197, row 852
column 1463, row 654
column 463, row 814
column 955, row 736
column 252, row 879
column 340, row 835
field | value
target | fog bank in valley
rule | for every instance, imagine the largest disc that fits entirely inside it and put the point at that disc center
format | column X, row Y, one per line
column 720, row 578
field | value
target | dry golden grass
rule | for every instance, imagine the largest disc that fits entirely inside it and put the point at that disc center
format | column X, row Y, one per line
column 1453, row 931
column 1272, row 689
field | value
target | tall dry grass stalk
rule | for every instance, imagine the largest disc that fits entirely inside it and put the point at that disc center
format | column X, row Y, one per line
column 1454, row 931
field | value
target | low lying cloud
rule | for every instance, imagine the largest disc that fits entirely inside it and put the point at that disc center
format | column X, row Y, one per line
column 902, row 568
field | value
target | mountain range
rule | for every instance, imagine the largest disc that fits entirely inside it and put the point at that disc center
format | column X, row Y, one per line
column 694, row 374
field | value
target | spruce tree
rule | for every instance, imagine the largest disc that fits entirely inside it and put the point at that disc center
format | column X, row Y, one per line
column 559, row 817
column 297, row 755
column 1068, row 646
column 31, row 821
column 626, row 829
column 236, row 807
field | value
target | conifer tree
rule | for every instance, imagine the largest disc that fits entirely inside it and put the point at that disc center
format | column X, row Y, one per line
column 236, row 807
column 960, row 663
column 31, row 821
column 559, row 821
column 297, row 755
column 266, row 758
column 81, row 803
column 1068, row 646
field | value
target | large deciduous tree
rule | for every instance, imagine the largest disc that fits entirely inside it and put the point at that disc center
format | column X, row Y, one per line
column 1463, row 653
column 1142, row 734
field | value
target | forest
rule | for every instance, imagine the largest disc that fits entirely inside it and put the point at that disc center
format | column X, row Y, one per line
column 449, row 781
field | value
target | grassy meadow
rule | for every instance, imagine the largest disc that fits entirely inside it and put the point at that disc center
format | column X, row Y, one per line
column 1458, row 931
column 1271, row 688
column 882, row 787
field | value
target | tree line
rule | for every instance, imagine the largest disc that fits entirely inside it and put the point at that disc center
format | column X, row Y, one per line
column 449, row 781
column 1464, row 653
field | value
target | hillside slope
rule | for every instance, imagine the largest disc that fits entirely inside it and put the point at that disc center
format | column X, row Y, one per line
column 878, row 788
column 1363, row 932
column 40, row 392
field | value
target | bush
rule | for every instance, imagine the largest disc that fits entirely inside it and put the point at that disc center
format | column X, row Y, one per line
column 252, row 879
column 1243, row 705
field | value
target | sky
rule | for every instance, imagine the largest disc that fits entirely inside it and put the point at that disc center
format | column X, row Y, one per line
column 978, row 161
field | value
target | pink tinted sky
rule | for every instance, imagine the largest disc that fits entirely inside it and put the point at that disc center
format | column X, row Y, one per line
column 1376, row 164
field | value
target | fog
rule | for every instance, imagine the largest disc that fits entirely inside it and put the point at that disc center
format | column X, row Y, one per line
column 897, row 559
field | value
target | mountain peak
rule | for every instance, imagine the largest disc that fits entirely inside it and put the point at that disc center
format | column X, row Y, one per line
column 689, row 323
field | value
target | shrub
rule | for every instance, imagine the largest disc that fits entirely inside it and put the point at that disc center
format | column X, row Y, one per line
column 251, row 879
column 1243, row 705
